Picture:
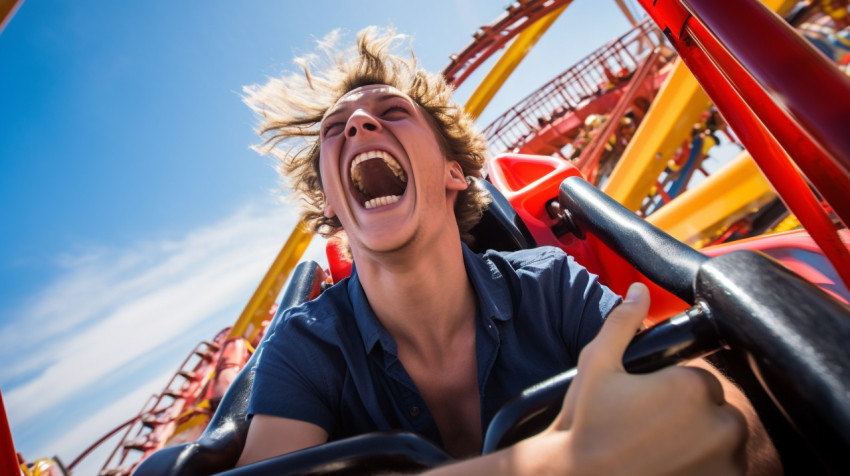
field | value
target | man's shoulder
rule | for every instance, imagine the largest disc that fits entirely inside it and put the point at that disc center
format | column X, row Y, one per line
column 322, row 315
column 532, row 257
column 536, row 267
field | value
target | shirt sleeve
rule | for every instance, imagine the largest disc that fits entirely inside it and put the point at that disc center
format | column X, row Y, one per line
column 294, row 377
column 586, row 303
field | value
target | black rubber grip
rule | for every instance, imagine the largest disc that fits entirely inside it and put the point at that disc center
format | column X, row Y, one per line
column 663, row 259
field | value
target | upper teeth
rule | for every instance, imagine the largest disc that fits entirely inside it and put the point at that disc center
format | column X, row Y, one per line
column 376, row 154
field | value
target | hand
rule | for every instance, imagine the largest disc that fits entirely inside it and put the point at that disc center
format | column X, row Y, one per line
column 672, row 421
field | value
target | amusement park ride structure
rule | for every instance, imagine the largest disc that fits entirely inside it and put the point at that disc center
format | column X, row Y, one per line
column 635, row 118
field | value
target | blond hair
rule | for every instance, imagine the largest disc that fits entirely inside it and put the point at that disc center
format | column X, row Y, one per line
column 291, row 109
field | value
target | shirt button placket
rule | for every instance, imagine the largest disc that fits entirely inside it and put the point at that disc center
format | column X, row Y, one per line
column 414, row 411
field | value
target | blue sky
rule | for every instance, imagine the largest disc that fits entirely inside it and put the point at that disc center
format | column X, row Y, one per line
column 136, row 221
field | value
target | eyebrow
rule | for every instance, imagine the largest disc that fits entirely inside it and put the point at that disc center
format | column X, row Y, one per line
column 383, row 97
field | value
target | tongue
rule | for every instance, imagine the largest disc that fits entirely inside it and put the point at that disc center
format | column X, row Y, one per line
column 377, row 180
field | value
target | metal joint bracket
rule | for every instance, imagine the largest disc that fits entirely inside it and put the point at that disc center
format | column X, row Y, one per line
column 672, row 15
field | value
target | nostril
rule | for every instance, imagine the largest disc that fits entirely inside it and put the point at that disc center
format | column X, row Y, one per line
column 360, row 121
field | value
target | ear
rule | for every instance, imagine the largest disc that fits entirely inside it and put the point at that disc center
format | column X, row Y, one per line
column 329, row 211
column 455, row 180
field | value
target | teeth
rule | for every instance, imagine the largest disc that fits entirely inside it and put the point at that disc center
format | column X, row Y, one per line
column 376, row 154
column 381, row 201
column 394, row 166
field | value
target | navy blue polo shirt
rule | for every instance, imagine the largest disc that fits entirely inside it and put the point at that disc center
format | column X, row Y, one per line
column 330, row 362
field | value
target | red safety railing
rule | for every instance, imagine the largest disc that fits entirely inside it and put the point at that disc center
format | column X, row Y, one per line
column 788, row 104
column 572, row 89
column 588, row 160
column 149, row 430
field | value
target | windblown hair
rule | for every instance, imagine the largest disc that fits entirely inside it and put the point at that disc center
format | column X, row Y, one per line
column 291, row 109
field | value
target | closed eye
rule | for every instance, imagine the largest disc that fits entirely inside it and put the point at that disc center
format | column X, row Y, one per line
column 394, row 112
column 333, row 128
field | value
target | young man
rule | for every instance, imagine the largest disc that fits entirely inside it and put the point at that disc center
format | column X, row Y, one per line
column 428, row 337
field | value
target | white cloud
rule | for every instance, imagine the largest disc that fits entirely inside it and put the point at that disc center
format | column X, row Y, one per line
column 117, row 307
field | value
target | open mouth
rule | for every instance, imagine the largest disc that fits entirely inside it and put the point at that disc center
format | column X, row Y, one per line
column 378, row 179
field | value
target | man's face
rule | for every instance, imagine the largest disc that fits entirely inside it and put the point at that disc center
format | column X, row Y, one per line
column 383, row 171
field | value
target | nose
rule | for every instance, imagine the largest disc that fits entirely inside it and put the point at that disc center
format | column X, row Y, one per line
column 361, row 121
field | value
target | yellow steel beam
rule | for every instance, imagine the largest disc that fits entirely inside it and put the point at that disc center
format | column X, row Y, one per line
column 506, row 65
column 726, row 196
column 782, row 7
column 667, row 124
column 264, row 297
column 200, row 415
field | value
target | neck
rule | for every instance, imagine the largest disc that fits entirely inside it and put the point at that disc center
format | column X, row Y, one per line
column 421, row 294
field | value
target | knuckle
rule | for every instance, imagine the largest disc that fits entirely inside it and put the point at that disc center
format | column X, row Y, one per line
column 695, row 384
column 729, row 436
column 688, row 382
column 733, row 424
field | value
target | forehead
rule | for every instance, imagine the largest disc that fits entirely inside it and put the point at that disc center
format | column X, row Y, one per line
column 365, row 94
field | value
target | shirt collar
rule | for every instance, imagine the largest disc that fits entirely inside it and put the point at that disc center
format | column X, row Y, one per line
column 494, row 300
column 371, row 329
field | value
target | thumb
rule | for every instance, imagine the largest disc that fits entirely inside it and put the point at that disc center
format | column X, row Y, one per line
column 607, row 348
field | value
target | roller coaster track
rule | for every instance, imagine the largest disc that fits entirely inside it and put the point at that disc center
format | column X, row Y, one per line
column 493, row 37
column 557, row 109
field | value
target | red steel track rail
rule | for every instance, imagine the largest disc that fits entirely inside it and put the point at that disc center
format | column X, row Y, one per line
column 493, row 37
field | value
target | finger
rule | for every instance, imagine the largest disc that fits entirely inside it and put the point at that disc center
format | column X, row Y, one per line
column 607, row 348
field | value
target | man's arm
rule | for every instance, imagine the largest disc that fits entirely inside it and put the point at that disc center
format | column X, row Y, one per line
column 270, row 436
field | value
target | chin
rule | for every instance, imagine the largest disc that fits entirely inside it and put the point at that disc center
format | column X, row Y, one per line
column 386, row 243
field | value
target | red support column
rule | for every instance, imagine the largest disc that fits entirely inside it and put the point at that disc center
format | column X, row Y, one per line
column 743, row 108
column 802, row 98
column 8, row 456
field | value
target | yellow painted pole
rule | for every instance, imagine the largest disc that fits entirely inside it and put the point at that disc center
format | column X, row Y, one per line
column 264, row 297
column 506, row 65
column 729, row 194
column 667, row 124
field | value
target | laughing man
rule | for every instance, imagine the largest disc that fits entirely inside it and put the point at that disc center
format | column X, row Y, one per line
column 427, row 336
